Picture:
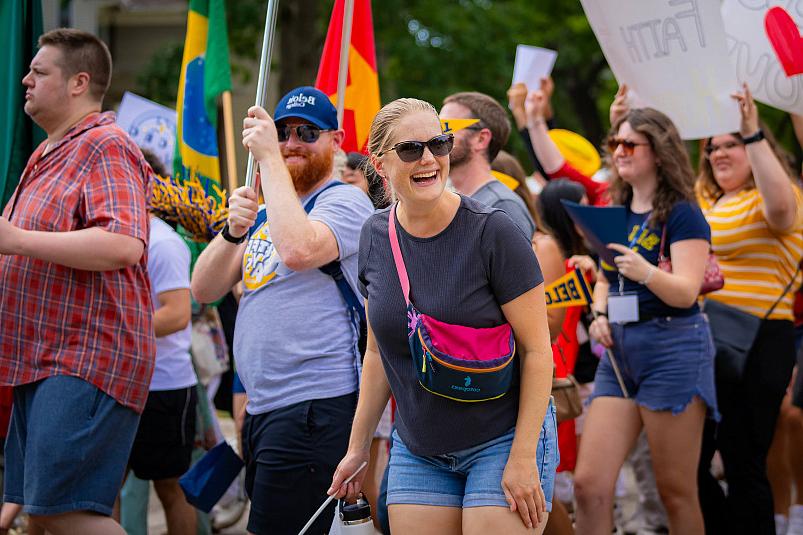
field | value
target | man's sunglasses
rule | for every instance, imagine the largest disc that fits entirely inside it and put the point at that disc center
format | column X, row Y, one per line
column 411, row 151
column 306, row 132
column 628, row 147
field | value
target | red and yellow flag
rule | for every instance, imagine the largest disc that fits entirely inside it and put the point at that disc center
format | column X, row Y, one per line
column 362, row 87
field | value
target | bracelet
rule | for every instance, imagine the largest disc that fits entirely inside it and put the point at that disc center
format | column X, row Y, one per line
column 647, row 279
column 755, row 138
column 600, row 313
column 231, row 239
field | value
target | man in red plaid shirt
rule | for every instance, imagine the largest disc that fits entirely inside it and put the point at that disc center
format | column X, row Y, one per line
column 76, row 339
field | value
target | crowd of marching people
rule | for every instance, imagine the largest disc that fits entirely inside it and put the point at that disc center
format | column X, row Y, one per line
column 387, row 317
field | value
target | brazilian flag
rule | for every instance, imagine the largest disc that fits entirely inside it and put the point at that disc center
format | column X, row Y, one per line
column 205, row 74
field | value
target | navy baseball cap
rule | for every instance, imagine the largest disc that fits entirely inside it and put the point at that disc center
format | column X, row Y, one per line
column 310, row 104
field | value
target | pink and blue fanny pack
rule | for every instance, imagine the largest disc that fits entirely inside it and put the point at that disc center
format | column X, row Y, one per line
column 456, row 362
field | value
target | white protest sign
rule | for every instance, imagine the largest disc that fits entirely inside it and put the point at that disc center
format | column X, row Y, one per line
column 532, row 64
column 766, row 47
column 673, row 55
column 151, row 125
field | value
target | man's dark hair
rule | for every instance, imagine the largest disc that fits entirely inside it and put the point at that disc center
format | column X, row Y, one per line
column 491, row 115
column 356, row 160
column 82, row 52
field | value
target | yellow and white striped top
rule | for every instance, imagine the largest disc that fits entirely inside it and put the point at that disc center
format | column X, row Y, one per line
column 757, row 262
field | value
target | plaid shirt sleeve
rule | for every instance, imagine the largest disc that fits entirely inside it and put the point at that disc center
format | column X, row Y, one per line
column 113, row 196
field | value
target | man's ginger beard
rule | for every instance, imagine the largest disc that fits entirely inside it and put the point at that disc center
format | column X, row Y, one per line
column 309, row 173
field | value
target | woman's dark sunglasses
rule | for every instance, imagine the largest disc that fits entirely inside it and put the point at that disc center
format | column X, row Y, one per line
column 628, row 147
column 411, row 151
column 306, row 132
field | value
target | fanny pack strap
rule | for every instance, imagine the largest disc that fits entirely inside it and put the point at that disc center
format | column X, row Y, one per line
column 398, row 259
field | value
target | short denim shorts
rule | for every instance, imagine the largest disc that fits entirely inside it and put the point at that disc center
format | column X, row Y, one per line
column 67, row 447
column 665, row 363
column 470, row 477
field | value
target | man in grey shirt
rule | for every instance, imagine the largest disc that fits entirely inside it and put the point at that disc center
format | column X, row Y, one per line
column 295, row 341
column 475, row 147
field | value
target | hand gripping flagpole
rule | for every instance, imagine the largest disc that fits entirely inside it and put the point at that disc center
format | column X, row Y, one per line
column 614, row 364
column 345, row 47
column 264, row 74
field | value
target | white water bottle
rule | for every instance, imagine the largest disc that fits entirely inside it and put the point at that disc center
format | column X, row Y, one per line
column 353, row 519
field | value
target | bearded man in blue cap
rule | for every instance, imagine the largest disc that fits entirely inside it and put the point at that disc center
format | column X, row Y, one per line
column 295, row 341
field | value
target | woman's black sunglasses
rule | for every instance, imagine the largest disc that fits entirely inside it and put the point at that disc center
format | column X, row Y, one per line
column 411, row 151
column 306, row 132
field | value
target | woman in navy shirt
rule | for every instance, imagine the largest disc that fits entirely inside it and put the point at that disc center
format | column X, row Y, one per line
column 650, row 320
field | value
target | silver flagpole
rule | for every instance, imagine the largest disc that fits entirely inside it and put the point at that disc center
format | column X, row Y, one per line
column 264, row 74
column 614, row 364
column 345, row 47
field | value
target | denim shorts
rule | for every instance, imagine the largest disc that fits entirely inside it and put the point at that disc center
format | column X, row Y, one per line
column 665, row 363
column 67, row 448
column 470, row 477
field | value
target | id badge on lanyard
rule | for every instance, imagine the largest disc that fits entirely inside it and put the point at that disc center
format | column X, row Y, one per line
column 623, row 306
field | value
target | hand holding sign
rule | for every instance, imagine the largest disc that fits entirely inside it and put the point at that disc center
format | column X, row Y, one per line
column 748, row 110
column 536, row 107
column 619, row 107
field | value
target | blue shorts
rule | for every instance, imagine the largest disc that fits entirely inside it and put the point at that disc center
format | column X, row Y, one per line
column 470, row 477
column 67, row 448
column 665, row 364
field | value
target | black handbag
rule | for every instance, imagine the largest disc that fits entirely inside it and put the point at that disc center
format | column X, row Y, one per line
column 734, row 332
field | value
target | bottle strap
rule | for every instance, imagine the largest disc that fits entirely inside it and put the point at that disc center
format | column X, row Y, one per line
column 398, row 259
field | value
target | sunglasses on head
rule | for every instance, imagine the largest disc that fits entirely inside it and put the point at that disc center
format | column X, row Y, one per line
column 628, row 147
column 411, row 151
column 307, row 133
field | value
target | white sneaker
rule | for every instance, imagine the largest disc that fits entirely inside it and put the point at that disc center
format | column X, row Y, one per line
column 781, row 522
column 224, row 516
column 795, row 520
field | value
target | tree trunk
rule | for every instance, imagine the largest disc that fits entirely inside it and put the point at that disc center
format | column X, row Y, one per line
column 300, row 42
column 582, row 90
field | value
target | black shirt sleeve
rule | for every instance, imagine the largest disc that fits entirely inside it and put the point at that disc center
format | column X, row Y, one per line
column 511, row 263
column 366, row 235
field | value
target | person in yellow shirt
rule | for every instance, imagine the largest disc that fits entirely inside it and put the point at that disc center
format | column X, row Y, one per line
column 753, row 207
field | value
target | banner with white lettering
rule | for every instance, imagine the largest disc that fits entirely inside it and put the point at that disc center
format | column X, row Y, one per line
column 673, row 56
column 766, row 47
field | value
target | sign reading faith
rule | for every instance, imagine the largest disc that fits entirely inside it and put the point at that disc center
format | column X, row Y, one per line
column 766, row 47
column 673, row 56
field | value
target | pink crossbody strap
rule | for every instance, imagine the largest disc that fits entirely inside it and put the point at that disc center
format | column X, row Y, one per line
column 398, row 259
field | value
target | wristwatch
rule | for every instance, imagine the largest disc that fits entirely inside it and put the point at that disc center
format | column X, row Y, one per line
column 758, row 136
column 231, row 239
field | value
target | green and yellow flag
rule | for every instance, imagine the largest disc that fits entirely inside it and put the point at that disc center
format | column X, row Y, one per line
column 205, row 74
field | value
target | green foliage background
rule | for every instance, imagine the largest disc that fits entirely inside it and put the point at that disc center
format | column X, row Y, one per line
column 430, row 49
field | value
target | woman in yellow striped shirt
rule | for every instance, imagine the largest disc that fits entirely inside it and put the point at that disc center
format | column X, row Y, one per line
column 747, row 194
